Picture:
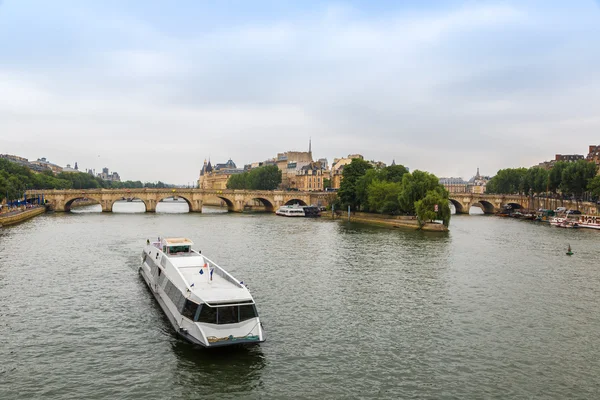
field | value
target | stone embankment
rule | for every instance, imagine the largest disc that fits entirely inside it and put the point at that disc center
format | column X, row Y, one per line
column 11, row 218
column 390, row 221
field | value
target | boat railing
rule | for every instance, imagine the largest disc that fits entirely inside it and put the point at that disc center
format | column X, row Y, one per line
column 221, row 272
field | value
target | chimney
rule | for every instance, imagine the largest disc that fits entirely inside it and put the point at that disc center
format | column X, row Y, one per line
column 592, row 148
column 557, row 157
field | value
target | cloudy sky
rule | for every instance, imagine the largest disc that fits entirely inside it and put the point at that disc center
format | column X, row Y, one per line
column 152, row 88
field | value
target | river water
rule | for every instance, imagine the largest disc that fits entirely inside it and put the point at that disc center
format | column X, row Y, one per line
column 492, row 309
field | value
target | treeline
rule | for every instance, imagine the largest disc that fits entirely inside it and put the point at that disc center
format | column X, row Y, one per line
column 393, row 190
column 569, row 178
column 15, row 179
column 261, row 178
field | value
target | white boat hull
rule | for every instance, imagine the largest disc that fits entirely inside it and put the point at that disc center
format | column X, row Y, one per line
column 201, row 334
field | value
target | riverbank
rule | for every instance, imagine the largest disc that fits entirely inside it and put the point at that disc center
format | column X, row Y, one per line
column 389, row 221
column 12, row 218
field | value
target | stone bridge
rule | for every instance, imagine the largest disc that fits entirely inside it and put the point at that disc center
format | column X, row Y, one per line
column 236, row 200
column 493, row 203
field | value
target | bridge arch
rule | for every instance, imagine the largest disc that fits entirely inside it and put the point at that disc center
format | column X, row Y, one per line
column 268, row 204
column 70, row 201
column 514, row 206
column 460, row 209
column 230, row 205
column 295, row 201
column 174, row 196
column 486, row 206
column 111, row 204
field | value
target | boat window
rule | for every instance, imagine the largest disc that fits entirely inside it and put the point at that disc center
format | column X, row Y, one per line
column 208, row 315
column 189, row 309
column 227, row 315
column 179, row 249
column 247, row 312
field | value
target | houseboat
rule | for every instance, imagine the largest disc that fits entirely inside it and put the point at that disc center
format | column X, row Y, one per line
column 204, row 303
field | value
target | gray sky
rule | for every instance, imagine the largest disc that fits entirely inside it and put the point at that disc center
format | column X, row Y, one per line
column 150, row 90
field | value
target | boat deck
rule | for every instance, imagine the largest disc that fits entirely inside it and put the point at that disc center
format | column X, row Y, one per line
column 219, row 289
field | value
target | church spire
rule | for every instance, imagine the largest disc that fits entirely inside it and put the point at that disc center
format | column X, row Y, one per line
column 310, row 145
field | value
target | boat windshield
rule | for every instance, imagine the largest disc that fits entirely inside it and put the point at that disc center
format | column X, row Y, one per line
column 178, row 249
column 227, row 314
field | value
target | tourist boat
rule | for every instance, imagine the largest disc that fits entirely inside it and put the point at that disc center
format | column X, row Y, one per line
column 298, row 211
column 588, row 221
column 291, row 211
column 205, row 304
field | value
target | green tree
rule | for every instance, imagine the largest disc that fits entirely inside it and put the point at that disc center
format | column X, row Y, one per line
column 326, row 183
column 237, row 181
column 261, row 178
column 575, row 178
column 555, row 176
column 394, row 173
column 383, row 196
column 425, row 207
column 415, row 186
column 509, row 181
column 352, row 172
column 361, row 188
column 264, row 178
column 594, row 186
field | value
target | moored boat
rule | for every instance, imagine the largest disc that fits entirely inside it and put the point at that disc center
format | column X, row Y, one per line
column 588, row 221
column 297, row 210
column 204, row 303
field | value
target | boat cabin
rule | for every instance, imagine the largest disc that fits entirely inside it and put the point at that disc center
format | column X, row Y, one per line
column 176, row 246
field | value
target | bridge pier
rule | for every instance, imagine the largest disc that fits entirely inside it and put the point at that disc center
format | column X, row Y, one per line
column 195, row 206
column 150, row 205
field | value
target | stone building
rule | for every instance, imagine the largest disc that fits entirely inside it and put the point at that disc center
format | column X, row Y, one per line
column 43, row 163
column 454, row 185
column 594, row 155
column 216, row 177
column 309, row 178
column 337, row 169
column 560, row 157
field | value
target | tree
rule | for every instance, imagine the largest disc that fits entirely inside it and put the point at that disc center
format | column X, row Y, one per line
column 261, row 178
column 594, row 186
column 425, row 207
column 237, row 181
column 383, row 196
column 415, row 186
column 352, row 172
column 575, row 178
column 326, row 183
column 394, row 173
column 508, row 181
column 362, row 185
column 555, row 176
column 264, row 178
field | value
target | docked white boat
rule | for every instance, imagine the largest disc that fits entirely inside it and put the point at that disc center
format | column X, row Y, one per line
column 205, row 304
column 299, row 211
column 588, row 221
column 291, row 211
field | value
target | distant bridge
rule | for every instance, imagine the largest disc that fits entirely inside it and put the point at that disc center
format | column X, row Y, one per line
column 493, row 203
column 236, row 200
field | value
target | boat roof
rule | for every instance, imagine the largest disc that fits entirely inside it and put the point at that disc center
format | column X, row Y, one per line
column 178, row 241
column 217, row 290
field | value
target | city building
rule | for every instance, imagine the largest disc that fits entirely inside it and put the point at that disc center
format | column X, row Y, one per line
column 477, row 183
column 454, row 185
column 45, row 164
column 216, row 177
column 69, row 169
column 108, row 176
column 560, row 157
column 594, row 155
column 337, row 169
column 309, row 178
